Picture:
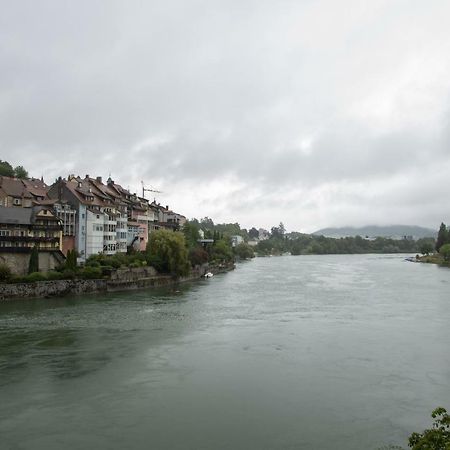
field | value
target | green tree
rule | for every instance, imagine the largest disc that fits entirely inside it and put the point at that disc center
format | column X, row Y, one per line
column 253, row 233
column 198, row 255
column 435, row 438
column 222, row 251
column 170, row 249
column 426, row 248
column 71, row 260
column 6, row 169
column 445, row 252
column 33, row 265
column 244, row 251
column 443, row 236
column 20, row 172
column 191, row 235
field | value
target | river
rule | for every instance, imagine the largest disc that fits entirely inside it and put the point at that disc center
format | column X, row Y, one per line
column 295, row 352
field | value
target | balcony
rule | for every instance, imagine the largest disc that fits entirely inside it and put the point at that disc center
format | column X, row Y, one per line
column 47, row 227
column 29, row 239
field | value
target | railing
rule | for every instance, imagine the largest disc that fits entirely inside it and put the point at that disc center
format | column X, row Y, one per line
column 47, row 227
column 29, row 239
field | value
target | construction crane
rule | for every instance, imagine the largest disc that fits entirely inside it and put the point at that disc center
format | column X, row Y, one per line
column 144, row 190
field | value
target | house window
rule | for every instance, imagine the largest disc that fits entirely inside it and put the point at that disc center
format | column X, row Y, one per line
column 17, row 201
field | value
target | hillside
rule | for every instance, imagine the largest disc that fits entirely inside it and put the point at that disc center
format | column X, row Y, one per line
column 392, row 231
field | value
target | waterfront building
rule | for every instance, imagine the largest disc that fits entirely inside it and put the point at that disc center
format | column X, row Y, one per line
column 15, row 192
column 105, row 217
column 21, row 229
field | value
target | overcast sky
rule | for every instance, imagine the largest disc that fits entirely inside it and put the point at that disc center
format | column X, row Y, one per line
column 311, row 112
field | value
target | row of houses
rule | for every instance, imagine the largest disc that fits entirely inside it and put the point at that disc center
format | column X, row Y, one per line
column 89, row 216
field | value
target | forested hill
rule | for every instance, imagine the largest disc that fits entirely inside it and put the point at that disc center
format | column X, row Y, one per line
column 372, row 231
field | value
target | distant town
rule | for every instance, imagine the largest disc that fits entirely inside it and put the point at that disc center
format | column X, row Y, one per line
column 88, row 216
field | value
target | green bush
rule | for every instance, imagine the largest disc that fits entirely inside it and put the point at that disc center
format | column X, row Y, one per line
column 52, row 275
column 33, row 265
column 92, row 263
column 5, row 273
column 244, row 251
column 198, row 256
column 35, row 276
column 222, row 251
column 445, row 252
column 157, row 263
column 107, row 270
column 135, row 264
column 90, row 273
column 68, row 274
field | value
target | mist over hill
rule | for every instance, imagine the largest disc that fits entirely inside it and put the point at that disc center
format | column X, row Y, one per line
column 372, row 231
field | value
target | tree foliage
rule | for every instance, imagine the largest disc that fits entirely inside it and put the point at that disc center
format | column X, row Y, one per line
column 443, row 237
column 253, row 233
column 426, row 248
column 307, row 244
column 33, row 265
column 445, row 252
column 198, row 256
column 221, row 251
column 435, row 438
column 20, row 172
column 71, row 260
column 191, row 234
column 170, row 248
column 244, row 251
column 5, row 272
column 6, row 169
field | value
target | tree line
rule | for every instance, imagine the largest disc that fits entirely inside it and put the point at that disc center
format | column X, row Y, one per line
column 443, row 242
column 7, row 170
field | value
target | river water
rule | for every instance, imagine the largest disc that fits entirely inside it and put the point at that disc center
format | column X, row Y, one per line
column 300, row 352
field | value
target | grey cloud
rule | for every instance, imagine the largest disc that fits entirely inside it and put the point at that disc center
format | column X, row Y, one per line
column 183, row 94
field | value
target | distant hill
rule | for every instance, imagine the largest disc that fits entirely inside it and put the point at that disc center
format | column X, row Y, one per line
column 372, row 231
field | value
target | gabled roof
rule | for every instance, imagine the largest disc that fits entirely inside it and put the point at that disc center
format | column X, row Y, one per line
column 36, row 187
column 17, row 216
column 14, row 187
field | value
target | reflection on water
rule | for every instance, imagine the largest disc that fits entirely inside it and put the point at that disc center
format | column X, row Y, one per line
column 329, row 352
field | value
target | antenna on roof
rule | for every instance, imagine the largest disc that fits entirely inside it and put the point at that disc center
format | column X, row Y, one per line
column 144, row 190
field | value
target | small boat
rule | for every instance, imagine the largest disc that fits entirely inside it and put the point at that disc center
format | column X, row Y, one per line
column 208, row 275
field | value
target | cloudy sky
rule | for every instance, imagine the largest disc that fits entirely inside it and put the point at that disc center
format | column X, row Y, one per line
column 311, row 112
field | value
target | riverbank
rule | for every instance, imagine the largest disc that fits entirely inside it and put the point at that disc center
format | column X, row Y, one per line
column 124, row 279
column 435, row 258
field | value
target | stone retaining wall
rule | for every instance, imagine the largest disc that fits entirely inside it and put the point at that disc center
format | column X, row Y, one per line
column 120, row 280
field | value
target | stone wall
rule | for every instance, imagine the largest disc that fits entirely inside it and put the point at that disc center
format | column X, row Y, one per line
column 17, row 262
column 120, row 280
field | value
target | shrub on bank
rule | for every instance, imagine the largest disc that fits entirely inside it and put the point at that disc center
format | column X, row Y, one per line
column 5, row 272
column 198, row 256
column 90, row 273
column 53, row 275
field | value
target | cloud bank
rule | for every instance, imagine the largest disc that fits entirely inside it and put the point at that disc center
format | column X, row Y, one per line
column 315, row 113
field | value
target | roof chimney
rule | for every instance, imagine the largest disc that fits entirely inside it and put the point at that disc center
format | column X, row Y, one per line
column 87, row 176
column 167, row 206
column 99, row 179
